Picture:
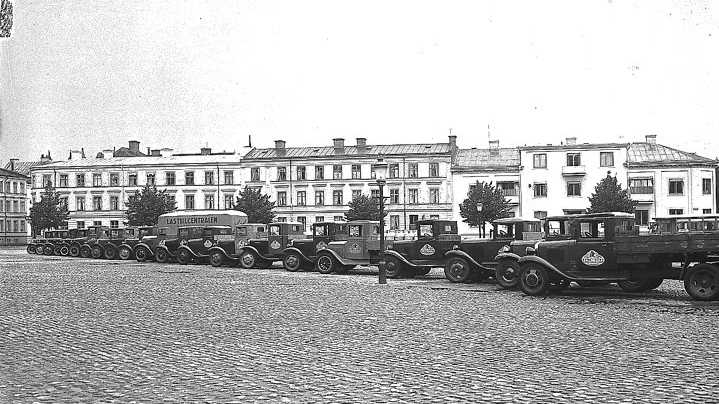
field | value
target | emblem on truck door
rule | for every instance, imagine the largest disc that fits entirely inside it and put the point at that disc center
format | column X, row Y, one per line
column 592, row 259
column 355, row 249
column 427, row 250
column 208, row 243
column 275, row 245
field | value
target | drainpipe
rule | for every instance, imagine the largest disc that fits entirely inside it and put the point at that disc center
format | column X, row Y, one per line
column 218, row 185
column 290, row 193
column 404, row 191
column 4, row 209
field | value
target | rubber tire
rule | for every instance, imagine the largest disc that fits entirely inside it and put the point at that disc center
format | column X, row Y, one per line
column 702, row 282
column 30, row 249
column 533, row 279
column 48, row 249
column 216, row 259
column 124, row 253
column 142, row 254
column 457, row 270
column 161, row 255
column 184, row 257
column 85, row 251
column 110, row 253
column 654, row 283
column 248, row 259
column 558, row 285
column 74, row 250
column 634, row 285
column 326, row 264
column 64, row 250
column 56, row 250
column 507, row 274
column 96, row 252
column 421, row 271
column 394, row 268
column 292, row 262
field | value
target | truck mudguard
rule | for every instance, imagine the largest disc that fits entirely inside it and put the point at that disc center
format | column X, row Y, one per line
column 507, row 256
column 400, row 257
column 221, row 250
column 162, row 247
column 146, row 247
column 296, row 251
column 541, row 261
column 460, row 253
column 333, row 254
column 186, row 248
column 254, row 250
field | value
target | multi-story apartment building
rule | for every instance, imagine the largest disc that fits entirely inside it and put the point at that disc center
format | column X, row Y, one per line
column 311, row 184
column 13, row 207
column 559, row 179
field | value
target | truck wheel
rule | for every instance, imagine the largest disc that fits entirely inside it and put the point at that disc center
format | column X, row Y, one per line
column 292, row 262
column 56, row 250
column 74, row 250
column 30, row 249
column 248, row 259
column 125, row 253
column 421, row 271
column 507, row 274
column 634, row 285
column 702, row 282
column 184, row 257
column 47, row 250
column 64, row 250
column 325, row 264
column 393, row 267
column 217, row 259
column 141, row 254
column 85, row 251
column 96, row 252
column 457, row 270
column 110, row 253
column 161, row 255
column 558, row 285
column 533, row 279
column 654, row 283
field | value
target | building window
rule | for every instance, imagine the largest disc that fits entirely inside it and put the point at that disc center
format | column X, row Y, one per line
column 676, row 211
column 46, row 179
column 22, row 206
column 301, row 198
column 303, row 220
column 641, row 185
column 170, row 178
column 413, row 196
column 706, row 211
column 96, row 203
column 574, row 189
column 413, row 170
column 132, row 179
column 356, row 171
column 79, row 180
column 393, row 222
column 356, row 193
column 540, row 214
column 114, row 203
column 189, row 201
column 151, row 179
column 508, row 188
column 229, row 177
column 190, row 178
column 706, row 186
column 114, row 179
column 97, row 180
column 114, row 224
column 339, row 218
column 413, row 220
column 80, row 203
column 641, row 217
column 22, row 187
column 14, row 187
column 434, row 169
column 97, row 223
column 319, row 219
column 606, row 159
column 281, row 173
column 540, row 160
column 22, row 226
column 209, row 178
column 319, row 172
column 131, row 199
column 209, row 201
column 374, row 193
column 574, row 159
column 63, row 202
column 319, row 197
column 80, row 224
column 171, row 198
column 337, row 172
column 394, row 196
column 282, row 198
column 255, row 174
column 540, row 190
column 15, row 206
column 676, row 187
column 394, row 171
column 337, row 197
column 434, row 195
column 301, row 173
column 229, row 201
column 63, row 180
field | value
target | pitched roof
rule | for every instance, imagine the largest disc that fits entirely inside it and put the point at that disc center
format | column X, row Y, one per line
column 507, row 158
column 14, row 174
column 125, row 152
column 329, row 151
column 129, row 162
column 643, row 153
column 24, row 167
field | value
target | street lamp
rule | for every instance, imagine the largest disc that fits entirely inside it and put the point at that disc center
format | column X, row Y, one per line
column 380, row 170
column 479, row 225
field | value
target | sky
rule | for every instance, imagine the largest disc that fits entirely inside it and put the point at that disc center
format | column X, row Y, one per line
column 211, row 73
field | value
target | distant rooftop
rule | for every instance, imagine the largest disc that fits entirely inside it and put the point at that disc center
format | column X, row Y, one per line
column 487, row 159
column 330, row 151
column 647, row 153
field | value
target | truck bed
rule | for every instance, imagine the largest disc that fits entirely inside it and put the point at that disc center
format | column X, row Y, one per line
column 681, row 243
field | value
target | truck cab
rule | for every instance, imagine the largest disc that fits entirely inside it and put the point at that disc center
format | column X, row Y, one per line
column 55, row 243
column 198, row 248
column 134, row 235
column 228, row 249
column 83, row 246
column 417, row 257
column 302, row 253
column 167, row 248
column 106, row 246
column 262, row 252
column 359, row 247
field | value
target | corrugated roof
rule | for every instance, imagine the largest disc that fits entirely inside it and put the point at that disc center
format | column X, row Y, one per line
column 145, row 161
column 125, row 152
column 15, row 174
column 24, row 167
column 652, row 154
column 484, row 158
column 329, row 151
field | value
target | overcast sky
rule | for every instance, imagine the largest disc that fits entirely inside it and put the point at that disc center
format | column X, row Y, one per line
column 185, row 74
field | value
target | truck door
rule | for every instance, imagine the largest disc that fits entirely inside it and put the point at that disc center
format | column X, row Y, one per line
column 276, row 239
column 593, row 251
column 355, row 247
column 427, row 244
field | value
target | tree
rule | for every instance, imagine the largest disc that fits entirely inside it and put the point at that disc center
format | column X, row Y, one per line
column 609, row 196
column 256, row 205
column 145, row 207
column 49, row 212
column 493, row 205
column 363, row 208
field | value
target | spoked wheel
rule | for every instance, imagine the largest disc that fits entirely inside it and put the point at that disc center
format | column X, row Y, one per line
column 125, row 253
column 48, row 249
column 161, row 255
column 184, row 257
column 85, row 251
column 457, row 270
column 702, row 282
column 96, row 252
column 507, row 274
column 74, row 251
column 558, row 285
column 64, row 250
column 142, row 254
column 216, row 259
column 292, row 262
column 38, row 249
column 110, row 253
column 248, row 259
column 533, row 279
column 30, row 249
column 325, row 264
column 393, row 267
column 56, row 250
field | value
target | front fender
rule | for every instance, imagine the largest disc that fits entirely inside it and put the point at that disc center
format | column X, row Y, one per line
column 296, row 251
column 463, row 254
column 162, row 247
column 254, row 251
column 186, row 248
column 399, row 256
column 507, row 256
column 146, row 247
column 221, row 250
column 541, row 261
column 333, row 254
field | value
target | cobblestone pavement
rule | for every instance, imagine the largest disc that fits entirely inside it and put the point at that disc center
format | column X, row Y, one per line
column 82, row 330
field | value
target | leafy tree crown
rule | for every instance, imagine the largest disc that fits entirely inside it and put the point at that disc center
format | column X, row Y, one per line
column 494, row 204
column 609, row 196
column 49, row 212
column 147, row 206
column 256, row 205
column 363, row 207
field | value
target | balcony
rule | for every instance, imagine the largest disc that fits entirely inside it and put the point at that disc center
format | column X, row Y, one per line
column 574, row 170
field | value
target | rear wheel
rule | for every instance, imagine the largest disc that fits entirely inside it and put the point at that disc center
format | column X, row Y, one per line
column 507, row 274
column 654, row 283
column 30, row 249
column 142, row 254
column 634, row 285
column 64, row 250
column 248, row 259
column 702, row 282
column 85, row 251
column 558, row 285
column 292, row 262
column 125, row 253
column 38, row 249
column 96, row 252
column 184, row 257
column 47, row 250
column 533, row 279
column 325, row 264
column 217, row 259
column 110, row 253
column 74, row 250
column 393, row 267
column 161, row 255
column 56, row 250
column 457, row 270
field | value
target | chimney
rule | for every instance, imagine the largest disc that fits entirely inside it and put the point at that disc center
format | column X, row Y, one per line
column 280, row 144
column 12, row 164
column 166, row 152
column 155, row 153
column 148, row 152
column 651, row 139
column 494, row 147
column 107, row 153
column 134, row 146
column 205, row 151
column 571, row 141
column 361, row 145
column 75, row 155
column 453, row 147
column 339, row 145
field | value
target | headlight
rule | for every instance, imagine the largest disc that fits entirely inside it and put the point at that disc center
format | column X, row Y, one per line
column 530, row 251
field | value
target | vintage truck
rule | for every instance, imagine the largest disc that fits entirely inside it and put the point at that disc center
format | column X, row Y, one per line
column 608, row 247
column 478, row 258
column 108, row 243
column 302, row 253
column 81, row 246
column 359, row 247
column 58, row 242
column 262, row 252
column 126, row 249
column 418, row 256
